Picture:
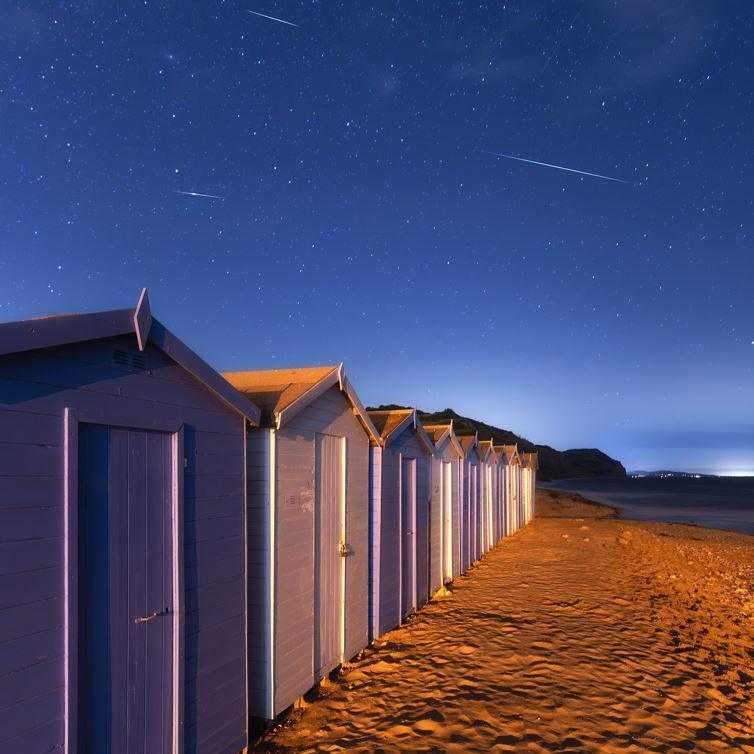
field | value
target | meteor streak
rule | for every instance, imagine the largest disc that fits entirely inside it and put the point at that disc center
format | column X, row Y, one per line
column 557, row 167
column 272, row 18
column 196, row 193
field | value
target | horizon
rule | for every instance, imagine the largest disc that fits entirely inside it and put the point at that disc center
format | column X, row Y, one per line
column 537, row 216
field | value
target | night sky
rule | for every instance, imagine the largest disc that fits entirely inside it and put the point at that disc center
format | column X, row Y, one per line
column 363, row 218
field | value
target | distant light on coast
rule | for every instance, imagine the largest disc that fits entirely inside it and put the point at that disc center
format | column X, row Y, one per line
column 748, row 472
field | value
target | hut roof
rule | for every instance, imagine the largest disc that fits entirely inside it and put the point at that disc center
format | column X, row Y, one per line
column 438, row 433
column 488, row 449
column 388, row 421
column 391, row 423
column 469, row 442
column 530, row 460
column 274, row 390
column 510, row 454
column 283, row 393
column 65, row 329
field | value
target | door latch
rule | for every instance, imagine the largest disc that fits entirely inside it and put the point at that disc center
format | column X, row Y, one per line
column 345, row 550
column 151, row 616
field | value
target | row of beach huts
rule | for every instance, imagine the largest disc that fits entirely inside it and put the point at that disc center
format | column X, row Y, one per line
column 184, row 554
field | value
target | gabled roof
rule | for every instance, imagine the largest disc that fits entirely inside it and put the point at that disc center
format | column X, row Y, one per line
column 65, row 329
column 275, row 390
column 388, row 421
column 510, row 454
column 438, row 433
column 283, row 393
column 489, row 450
column 391, row 424
column 469, row 442
column 530, row 460
column 485, row 448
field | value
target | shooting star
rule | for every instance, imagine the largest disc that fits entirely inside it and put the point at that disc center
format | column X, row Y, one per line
column 196, row 193
column 557, row 167
column 272, row 18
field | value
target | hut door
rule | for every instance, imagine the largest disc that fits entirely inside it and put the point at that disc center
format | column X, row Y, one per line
column 408, row 549
column 329, row 563
column 125, row 609
column 447, row 522
column 490, row 522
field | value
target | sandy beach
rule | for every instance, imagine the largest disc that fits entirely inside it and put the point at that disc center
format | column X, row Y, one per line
column 580, row 633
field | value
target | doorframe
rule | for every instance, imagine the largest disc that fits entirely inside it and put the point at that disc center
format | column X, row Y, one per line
column 342, row 511
column 446, row 474
column 71, row 420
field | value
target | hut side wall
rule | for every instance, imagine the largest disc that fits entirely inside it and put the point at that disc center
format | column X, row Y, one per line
column 435, row 526
column 35, row 388
column 330, row 414
column 444, row 453
column 375, row 512
column 388, row 596
column 409, row 445
column 258, row 517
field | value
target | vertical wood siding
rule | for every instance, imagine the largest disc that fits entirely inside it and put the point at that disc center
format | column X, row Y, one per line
column 444, row 453
column 35, row 388
column 407, row 445
column 294, row 546
column 375, row 510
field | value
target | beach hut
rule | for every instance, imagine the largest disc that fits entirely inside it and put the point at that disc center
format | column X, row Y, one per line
column 529, row 466
column 401, row 531
column 122, row 564
column 489, row 473
column 308, row 537
column 512, row 462
column 470, row 486
column 502, row 502
column 445, row 518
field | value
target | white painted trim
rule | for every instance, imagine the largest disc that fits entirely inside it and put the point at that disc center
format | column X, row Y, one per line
column 344, row 541
column 71, row 421
column 270, row 506
column 415, row 495
column 400, row 538
column 179, row 603
column 441, row 474
column 247, row 673
column 330, row 379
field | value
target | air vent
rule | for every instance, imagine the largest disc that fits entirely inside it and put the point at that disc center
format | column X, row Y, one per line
column 129, row 359
column 138, row 361
column 120, row 357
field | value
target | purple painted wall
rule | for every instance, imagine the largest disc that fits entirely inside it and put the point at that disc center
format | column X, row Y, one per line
column 114, row 383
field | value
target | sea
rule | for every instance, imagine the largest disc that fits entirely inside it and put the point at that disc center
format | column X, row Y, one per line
column 714, row 502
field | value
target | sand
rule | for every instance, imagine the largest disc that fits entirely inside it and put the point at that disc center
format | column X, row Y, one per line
column 581, row 633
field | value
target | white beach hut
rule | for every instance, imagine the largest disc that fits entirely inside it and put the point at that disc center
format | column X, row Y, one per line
column 512, row 462
column 470, row 495
column 445, row 513
column 400, row 530
column 308, row 535
column 489, row 498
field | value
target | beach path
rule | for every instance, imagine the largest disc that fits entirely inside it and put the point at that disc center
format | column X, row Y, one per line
column 578, row 634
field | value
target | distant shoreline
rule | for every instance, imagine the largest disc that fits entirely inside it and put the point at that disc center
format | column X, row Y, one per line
column 721, row 503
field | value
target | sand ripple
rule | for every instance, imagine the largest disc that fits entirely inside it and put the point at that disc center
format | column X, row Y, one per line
column 637, row 638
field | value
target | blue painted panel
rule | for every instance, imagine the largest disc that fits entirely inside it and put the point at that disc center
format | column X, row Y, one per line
column 125, row 671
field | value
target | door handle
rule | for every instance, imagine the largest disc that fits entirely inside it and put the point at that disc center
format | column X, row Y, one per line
column 151, row 616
